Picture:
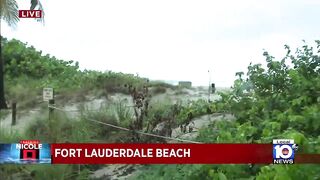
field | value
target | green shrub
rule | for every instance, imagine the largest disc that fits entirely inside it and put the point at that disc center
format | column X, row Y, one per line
column 277, row 102
column 106, row 114
column 158, row 90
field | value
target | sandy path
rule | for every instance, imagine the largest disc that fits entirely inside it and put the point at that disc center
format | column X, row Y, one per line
column 25, row 117
column 122, row 171
column 72, row 110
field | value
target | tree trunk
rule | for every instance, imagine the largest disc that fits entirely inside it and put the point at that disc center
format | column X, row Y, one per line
column 3, row 104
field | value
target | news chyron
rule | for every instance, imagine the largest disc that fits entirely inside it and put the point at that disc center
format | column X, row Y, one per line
column 25, row 152
column 283, row 151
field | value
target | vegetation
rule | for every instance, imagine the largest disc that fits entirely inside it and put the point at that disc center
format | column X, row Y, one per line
column 27, row 71
column 279, row 101
column 9, row 13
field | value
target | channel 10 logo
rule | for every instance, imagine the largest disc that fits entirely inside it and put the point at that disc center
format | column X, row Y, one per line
column 283, row 151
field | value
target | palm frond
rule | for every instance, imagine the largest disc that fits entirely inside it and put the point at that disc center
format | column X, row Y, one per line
column 9, row 12
column 41, row 8
column 34, row 4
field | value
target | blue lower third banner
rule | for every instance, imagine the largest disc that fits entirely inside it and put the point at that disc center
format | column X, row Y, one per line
column 25, row 153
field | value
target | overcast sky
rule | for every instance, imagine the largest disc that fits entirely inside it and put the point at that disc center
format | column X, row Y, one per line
column 170, row 39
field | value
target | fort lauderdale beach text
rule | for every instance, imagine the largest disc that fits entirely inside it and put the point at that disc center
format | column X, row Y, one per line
column 121, row 153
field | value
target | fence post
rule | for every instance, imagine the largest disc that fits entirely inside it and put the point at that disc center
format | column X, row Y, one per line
column 14, row 113
column 51, row 114
column 51, row 110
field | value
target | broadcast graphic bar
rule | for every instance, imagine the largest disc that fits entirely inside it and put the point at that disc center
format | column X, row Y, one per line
column 35, row 152
column 161, row 153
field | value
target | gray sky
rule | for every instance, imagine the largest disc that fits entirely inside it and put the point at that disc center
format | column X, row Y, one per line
column 170, row 39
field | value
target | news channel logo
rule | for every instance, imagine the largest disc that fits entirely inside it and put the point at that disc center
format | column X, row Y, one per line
column 25, row 152
column 283, row 151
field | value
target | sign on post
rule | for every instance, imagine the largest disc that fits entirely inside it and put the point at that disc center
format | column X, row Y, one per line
column 47, row 94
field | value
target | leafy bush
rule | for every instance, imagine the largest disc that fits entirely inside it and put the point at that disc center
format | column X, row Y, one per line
column 196, row 108
column 123, row 113
column 104, row 115
column 277, row 102
column 24, row 64
column 159, row 90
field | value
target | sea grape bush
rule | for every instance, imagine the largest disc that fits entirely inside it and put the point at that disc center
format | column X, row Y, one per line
column 281, row 101
column 24, row 64
column 196, row 108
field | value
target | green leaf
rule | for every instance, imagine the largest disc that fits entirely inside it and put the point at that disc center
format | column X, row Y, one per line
column 222, row 176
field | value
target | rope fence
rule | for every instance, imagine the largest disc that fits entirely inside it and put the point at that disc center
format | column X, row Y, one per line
column 90, row 110
column 129, row 130
column 144, row 133
column 52, row 107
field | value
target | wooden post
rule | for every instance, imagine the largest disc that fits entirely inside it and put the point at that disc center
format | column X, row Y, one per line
column 48, row 95
column 51, row 115
column 14, row 113
column 51, row 110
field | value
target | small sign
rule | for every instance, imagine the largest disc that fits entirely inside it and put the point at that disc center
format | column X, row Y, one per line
column 47, row 94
